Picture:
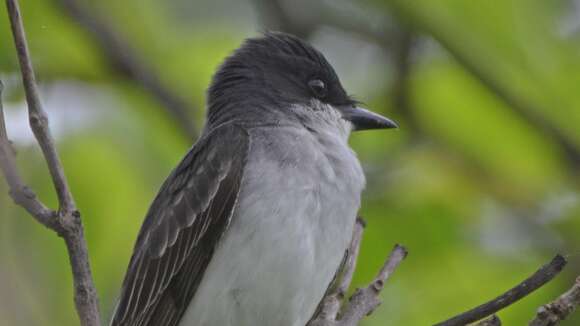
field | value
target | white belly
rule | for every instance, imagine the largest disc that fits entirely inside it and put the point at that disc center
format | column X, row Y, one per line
column 286, row 240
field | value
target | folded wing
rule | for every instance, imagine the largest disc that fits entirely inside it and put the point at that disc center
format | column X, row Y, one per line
column 186, row 220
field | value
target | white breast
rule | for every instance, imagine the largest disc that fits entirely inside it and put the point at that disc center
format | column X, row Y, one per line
column 297, row 207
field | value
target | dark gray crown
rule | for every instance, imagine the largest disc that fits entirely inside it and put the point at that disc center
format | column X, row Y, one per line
column 270, row 73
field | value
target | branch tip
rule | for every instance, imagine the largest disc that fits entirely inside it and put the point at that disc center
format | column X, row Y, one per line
column 542, row 276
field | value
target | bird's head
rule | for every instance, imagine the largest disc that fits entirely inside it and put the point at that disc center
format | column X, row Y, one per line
column 278, row 77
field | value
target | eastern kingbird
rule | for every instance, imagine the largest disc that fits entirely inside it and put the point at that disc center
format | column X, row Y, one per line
column 251, row 226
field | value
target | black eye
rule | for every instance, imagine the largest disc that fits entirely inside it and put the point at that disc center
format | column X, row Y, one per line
column 318, row 88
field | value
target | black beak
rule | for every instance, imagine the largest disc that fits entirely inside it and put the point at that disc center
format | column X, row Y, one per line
column 362, row 119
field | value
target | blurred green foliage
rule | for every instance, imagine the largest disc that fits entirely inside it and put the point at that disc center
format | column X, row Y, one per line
column 479, row 193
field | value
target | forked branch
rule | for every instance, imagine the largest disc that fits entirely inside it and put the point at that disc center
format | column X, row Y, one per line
column 363, row 301
column 554, row 312
column 66, row 220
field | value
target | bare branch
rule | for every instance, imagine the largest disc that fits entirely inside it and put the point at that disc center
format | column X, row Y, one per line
column 554, row 312
column 364, row 301
column 542, row 276
column 353, row 252
column 125, row 61
column 66, row 221
column 37, row 117
column 330, row 305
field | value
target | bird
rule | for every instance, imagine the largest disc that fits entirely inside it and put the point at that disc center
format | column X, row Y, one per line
column 252, row 225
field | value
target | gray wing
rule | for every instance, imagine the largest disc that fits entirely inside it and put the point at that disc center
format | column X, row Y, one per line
column 185, row 221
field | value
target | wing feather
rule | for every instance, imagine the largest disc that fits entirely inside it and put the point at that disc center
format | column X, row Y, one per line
column 185, row 221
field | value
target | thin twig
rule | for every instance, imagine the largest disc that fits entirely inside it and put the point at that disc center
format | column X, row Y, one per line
column 353, row 252
column 126, row 62
column 330, row 306
column 554, row 312
column 37, row 117
column 542, row 276
column 364, row 301
column 66, row 221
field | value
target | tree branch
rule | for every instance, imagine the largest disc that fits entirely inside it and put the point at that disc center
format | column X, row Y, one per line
column 37, row 117
column 66, row 221
column 124, row 60
column 363, row 301
column 554, row 312
column 542, row 276
column 330, row 305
